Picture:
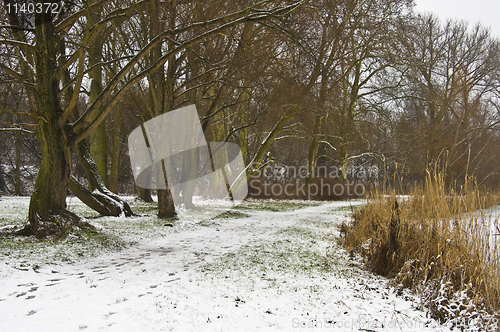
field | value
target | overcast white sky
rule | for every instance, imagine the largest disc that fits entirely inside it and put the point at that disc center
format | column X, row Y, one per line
column 485, row 11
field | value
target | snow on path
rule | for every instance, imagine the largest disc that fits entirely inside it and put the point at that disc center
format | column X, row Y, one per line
column 159, row 286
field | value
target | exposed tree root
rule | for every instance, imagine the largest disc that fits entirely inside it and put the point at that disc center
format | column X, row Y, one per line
column 56, row 226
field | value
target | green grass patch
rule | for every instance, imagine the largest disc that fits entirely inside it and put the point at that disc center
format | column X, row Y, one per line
column 296, row 250
column 29, row 252
column 117, row 233
column 141, row 207
column 232, row 215
column 275, row 206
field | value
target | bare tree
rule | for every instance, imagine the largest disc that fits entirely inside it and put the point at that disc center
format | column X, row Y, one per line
column 449, row 96
column 57, row 134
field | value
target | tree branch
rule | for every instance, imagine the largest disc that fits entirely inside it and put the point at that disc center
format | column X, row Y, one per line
column 19, row 130
column 83, row 131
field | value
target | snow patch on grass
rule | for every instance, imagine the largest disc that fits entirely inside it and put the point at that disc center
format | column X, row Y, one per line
column 261, row 267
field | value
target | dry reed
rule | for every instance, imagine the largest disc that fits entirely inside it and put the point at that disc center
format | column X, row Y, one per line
column 436, row 241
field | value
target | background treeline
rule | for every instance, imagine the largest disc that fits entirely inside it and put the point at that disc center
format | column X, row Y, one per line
column 368, row 87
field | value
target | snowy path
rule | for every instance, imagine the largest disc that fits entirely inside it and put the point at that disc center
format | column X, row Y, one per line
column 213, row 278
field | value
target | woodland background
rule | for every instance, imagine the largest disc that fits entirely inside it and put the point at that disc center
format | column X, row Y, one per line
column 352, row 84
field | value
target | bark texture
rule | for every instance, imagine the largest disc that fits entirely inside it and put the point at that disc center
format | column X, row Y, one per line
column 47, row 210
column 113, row 205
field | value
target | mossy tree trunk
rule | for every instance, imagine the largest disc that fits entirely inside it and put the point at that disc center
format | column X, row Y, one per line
column 98, row 136
column 115, row 155
column 112, row 202
column 95, row 199
column 47, row 210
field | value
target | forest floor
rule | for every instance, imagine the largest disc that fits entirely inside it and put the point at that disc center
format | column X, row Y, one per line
column 261, row 266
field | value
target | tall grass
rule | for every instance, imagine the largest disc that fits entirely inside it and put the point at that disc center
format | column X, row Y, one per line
column 437, row 241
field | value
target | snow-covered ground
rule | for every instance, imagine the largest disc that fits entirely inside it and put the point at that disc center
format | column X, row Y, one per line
column 247, row 270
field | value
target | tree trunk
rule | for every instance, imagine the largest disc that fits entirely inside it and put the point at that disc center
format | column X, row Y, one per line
column 47, row 210
column 97, row 201
column 243, row 111
column 264, row 147
column 115, row 155
column 98, row 136
column 348, row 107
column 113, row 201
column 17, row 185
column 313, row 149
column 312, row 158
column 145, row 195
column 166, row 208
column 3, row 185
column 190, row 170
column 161, row 87
column 165, row 92
column 98, row 150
